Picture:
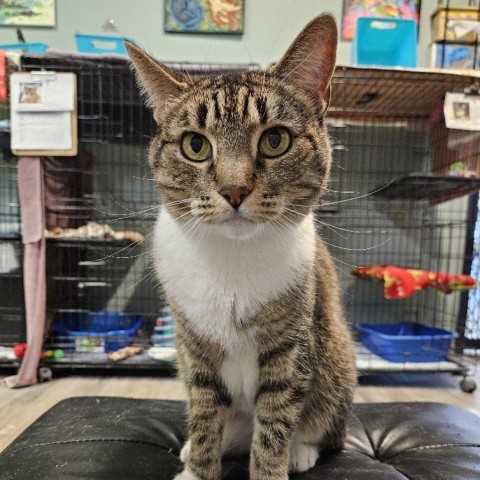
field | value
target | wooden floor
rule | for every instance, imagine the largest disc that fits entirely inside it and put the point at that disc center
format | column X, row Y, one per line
column 19, row 408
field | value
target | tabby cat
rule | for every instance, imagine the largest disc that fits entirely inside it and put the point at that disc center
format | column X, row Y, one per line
column 240, row 160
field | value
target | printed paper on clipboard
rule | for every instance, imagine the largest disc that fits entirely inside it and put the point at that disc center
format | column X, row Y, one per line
column 43, row 113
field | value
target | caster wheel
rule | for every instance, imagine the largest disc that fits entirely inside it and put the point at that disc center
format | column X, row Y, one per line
column 468, row 385
column 44, row 374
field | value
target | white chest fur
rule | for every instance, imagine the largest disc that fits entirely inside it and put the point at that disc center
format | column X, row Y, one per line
column 216, row 281
column 239, row 373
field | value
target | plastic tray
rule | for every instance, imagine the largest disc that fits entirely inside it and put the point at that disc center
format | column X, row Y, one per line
column 96, row 331
column 29, row 47
column 406, row 342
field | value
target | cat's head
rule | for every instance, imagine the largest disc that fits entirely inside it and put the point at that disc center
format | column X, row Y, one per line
column 242, row 151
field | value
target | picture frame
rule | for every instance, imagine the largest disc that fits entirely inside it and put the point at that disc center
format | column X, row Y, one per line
column 204, row 16
column 28, row 13
column 353, row 9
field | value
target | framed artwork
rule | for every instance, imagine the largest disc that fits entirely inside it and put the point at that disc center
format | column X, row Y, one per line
column 353, row 9
column 204, row 16
column 27, row 13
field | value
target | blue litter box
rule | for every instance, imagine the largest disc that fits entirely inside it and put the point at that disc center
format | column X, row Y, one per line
column 96, row 331
column 407, row 342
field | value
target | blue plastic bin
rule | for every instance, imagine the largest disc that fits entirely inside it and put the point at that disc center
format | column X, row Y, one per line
column 407, row 342
column 104, row 44
column 96, row 331
column 29, row 47
column 386, row 42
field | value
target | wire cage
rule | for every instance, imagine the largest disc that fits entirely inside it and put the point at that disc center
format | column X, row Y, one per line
column 390, row 202
column 394, row 202
column 100, row 208
column 12, row 311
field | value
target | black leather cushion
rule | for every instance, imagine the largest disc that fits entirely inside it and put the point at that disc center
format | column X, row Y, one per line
column 109, row 438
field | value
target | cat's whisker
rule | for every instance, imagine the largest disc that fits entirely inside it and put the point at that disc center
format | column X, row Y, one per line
column 146, row 252
column 138, row 177
column 130, row 245
column 121, row 216
column 357, row 249
column 208, row 52
column 248, row 51
column 273, row 224
column 289, row 226
column 150, row 271
column 118, row 203
column 330, row 227
column 361, row 232
column 339, row 191
column 175, row 202
column 179, row 208
column 350, row 199
column 191, row 80
column 282, row 27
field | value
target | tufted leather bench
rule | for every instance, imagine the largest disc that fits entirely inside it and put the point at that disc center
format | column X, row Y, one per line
column 110, row 438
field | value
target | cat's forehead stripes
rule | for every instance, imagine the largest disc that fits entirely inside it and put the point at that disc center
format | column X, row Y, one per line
column 227, row 99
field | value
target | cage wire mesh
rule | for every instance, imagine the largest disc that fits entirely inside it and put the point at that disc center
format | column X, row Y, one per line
column 390, row 201
column 12, row 313
column 100, row 210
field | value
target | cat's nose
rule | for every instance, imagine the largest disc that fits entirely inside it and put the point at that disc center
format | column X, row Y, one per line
column 234, row 195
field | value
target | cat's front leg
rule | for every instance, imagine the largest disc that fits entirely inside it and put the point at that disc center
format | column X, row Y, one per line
column 277, row 412
column 209, row 401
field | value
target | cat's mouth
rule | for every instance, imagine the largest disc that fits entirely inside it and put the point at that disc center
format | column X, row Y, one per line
column 237, row 225
column 237, row 220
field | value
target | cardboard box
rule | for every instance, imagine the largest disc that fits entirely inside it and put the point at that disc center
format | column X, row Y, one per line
column 456, row 24
column 454, row 55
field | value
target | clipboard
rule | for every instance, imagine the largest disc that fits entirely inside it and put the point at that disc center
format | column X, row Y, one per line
column 43, row 113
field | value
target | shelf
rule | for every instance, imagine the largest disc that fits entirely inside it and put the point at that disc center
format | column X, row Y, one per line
column 368, row 362
column 10, row 237
column 399, row 93
column 456, row 41
column 90, row 241
column 428, row 187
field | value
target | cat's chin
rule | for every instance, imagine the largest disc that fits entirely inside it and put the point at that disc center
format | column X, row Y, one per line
column 238, row 227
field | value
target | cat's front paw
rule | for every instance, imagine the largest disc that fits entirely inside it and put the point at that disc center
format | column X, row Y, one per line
column 185, row 453
column 186, row 475
column 302, row 457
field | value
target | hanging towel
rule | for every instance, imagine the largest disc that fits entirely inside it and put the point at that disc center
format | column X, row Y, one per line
column 32, row 203
column 404, row 282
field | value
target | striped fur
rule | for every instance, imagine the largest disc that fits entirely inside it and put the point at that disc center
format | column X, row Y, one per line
column 263, row 347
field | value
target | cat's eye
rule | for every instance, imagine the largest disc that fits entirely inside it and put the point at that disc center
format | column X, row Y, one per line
column 196, row 147
column 274, row 142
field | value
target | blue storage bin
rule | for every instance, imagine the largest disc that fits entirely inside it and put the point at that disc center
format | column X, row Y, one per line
column 406, row 342
column 97, row 331
column 385, row 42
column 101, row 44
column 29, row 47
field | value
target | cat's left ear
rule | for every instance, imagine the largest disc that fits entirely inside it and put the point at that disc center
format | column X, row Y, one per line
column 310, row 61
column 158, row 82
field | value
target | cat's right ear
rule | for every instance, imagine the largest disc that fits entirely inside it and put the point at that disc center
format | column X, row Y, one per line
column 158, row 82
